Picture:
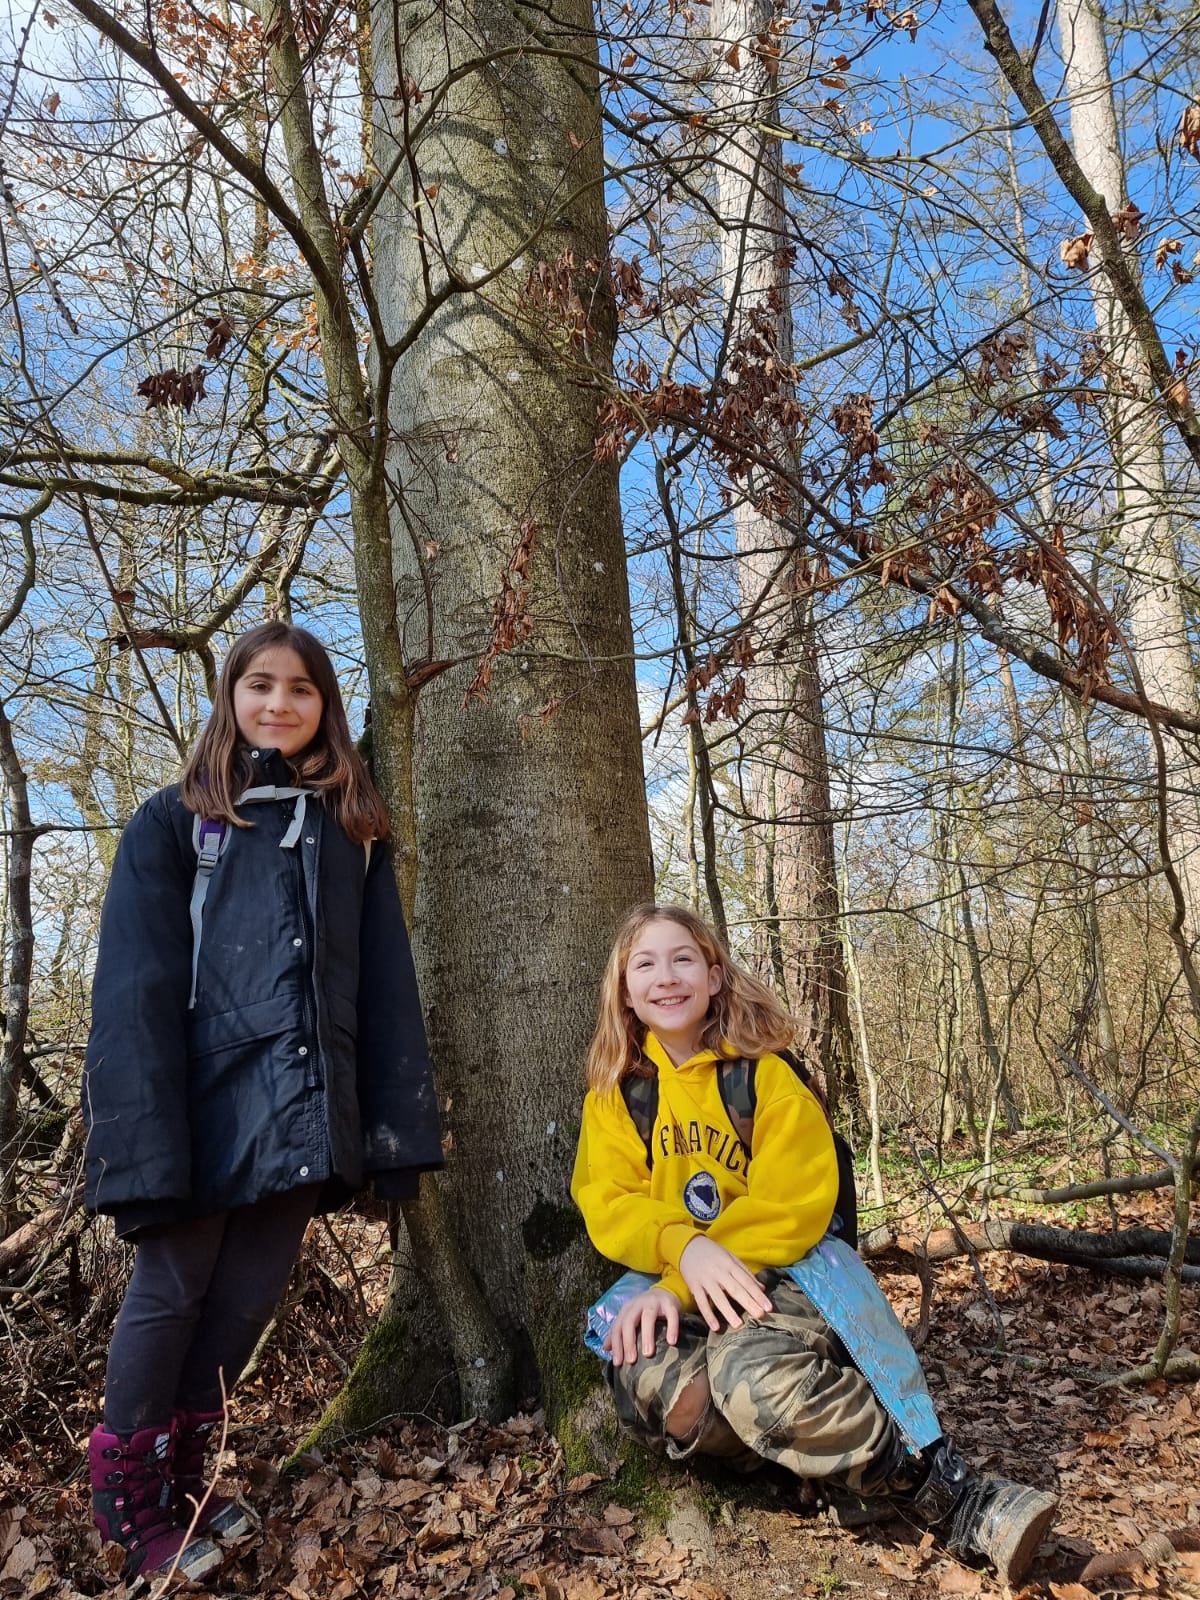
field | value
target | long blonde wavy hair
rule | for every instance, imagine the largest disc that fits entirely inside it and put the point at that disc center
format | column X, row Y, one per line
column 744, row 1016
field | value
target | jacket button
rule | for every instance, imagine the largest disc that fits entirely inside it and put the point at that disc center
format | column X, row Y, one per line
column 254, row 754
column 297, row 942
column 304, row 1172
column 303, row 1050
column 310, row 840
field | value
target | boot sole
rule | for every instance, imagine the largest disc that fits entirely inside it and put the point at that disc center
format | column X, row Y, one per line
column 196, row 1560
column 846, row 1510
column 1013, row 1555
column 231, row 1522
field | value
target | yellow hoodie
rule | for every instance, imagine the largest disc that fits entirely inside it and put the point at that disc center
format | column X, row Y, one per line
column 768, row 1214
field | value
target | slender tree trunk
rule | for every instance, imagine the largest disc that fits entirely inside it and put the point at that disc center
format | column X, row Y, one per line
column 18, row 971
column 863, row 1042
column 509, row 564
column 787, row 747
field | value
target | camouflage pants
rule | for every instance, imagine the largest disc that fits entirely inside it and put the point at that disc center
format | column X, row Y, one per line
column 780, row 1388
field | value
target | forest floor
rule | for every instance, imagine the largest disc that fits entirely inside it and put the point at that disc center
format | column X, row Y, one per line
column 478, row 1511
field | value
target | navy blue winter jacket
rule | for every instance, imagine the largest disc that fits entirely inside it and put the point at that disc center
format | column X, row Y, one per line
column 304, row 1059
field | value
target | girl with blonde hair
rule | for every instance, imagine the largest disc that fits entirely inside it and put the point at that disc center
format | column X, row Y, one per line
column 745, row 1328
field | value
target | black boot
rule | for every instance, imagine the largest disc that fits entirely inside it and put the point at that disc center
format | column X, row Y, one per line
column 1001, row 1521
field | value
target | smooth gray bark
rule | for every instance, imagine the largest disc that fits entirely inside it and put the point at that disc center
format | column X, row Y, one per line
column 532, row 833
column 1142, row 516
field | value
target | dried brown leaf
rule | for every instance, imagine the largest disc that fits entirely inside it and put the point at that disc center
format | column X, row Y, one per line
column 220, row 331
column 582, row 1481
column 898, row 1569
column 959, row 1580
column 1189, row 131
column 596, row 1541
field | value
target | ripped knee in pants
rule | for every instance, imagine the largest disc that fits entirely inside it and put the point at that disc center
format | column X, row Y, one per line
column 690, row 1406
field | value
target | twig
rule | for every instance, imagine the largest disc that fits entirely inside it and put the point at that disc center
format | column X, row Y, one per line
column 967, row 1247
column 1184, row 1364
column 1114, row 1112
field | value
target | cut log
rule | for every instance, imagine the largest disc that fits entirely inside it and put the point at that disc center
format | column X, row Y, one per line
column 25, row 1240
column 1132, row 1252
column 1134, row 1183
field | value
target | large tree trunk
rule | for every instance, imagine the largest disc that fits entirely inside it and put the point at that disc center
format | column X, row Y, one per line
column 1143, row 522
column 789, row 774
column 532, row 832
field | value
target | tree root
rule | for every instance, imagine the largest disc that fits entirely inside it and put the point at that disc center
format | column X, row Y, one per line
column 1183, row 1366
column 1157, row 1550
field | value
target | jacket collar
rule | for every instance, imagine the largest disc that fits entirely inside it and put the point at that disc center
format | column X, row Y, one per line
column 267, row 766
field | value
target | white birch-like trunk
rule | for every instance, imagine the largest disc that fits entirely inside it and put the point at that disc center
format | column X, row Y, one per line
column 788, row 764
column 1143, row 523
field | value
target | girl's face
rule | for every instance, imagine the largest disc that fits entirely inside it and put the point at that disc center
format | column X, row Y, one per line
column 276, row 704
column 669, row 985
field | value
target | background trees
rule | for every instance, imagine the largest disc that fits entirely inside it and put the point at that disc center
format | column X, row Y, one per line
column 907, row 474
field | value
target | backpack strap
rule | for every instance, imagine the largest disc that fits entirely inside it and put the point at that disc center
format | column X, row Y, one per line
column 209, row 839
column 641, row 1101
column 271, row 791
column 739, row 1096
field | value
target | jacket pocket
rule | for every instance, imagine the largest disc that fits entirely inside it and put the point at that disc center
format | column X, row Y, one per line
column 263, row 1019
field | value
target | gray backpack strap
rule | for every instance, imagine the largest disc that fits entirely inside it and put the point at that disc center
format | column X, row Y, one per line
column 271, row 791
column 208, row 841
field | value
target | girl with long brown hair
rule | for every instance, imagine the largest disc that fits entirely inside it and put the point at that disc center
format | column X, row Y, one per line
column 257, row 1053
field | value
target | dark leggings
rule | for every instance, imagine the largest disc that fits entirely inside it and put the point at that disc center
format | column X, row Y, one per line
column 200, row 1296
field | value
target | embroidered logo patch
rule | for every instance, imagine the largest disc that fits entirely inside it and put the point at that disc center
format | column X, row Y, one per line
column 702, row 1197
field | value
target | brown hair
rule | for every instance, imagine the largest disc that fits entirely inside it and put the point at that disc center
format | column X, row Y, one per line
column 744, row 1016
column 218, row 769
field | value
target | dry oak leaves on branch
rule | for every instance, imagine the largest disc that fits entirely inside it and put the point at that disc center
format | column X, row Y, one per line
column 173, row 388
column 751, row 421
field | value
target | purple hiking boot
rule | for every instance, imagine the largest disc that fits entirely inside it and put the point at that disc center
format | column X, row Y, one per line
column 131, row 1504
column 219, row 1515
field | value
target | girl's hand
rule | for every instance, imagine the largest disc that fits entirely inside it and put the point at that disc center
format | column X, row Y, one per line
column 721, row 1283
column 643, row 1312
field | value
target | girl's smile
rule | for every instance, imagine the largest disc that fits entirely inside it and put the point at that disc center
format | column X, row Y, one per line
column 276, row 703
column 669, row 986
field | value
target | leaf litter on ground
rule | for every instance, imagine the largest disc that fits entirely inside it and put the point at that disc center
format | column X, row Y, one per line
column 489, row 1511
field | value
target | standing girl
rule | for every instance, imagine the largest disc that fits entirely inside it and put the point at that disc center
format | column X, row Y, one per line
column 257, row 1053
column 722, row 1351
